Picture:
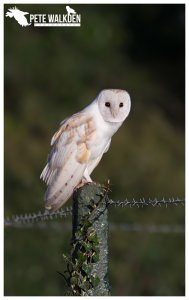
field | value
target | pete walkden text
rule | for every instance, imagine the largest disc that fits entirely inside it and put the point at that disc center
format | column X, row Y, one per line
column 55, row 18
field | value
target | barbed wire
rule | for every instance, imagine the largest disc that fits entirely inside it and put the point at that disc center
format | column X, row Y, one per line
column 37, row 217
column 141, row 203
column 23, row 219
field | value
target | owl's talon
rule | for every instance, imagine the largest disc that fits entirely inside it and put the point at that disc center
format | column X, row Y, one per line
column 82, row 183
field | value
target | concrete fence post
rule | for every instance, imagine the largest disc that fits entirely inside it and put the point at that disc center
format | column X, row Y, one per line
column 90, row 241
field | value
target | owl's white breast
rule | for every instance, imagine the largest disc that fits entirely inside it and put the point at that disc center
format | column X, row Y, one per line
column 104, row 131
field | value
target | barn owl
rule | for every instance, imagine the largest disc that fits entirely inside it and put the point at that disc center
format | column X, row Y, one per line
column 79, row 144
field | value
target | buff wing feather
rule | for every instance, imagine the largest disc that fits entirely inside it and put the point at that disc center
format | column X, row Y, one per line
column 68, row 158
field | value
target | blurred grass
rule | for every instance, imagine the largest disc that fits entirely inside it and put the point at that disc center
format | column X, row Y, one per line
column 51, row 73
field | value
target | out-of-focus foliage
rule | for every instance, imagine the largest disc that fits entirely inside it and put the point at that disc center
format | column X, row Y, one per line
column 51, row 73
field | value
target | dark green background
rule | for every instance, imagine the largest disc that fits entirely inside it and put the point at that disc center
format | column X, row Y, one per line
column 51, row 73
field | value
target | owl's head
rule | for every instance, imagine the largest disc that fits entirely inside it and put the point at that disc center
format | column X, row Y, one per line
column 114, row 105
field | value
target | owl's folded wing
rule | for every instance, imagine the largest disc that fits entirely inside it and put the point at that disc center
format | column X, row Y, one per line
column 68, row 158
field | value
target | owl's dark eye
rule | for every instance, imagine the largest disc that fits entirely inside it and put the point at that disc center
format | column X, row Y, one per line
column 121, row 104
column 107, row 104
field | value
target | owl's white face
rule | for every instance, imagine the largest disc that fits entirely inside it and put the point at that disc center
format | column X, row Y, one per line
column 114, row 105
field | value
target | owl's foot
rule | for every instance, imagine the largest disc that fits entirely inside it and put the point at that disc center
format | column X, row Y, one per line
column 82, row 183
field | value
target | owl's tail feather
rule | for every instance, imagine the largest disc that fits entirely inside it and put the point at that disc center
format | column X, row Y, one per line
column 62, row 186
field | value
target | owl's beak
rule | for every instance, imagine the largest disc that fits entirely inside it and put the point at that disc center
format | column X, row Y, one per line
column 114, row 113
